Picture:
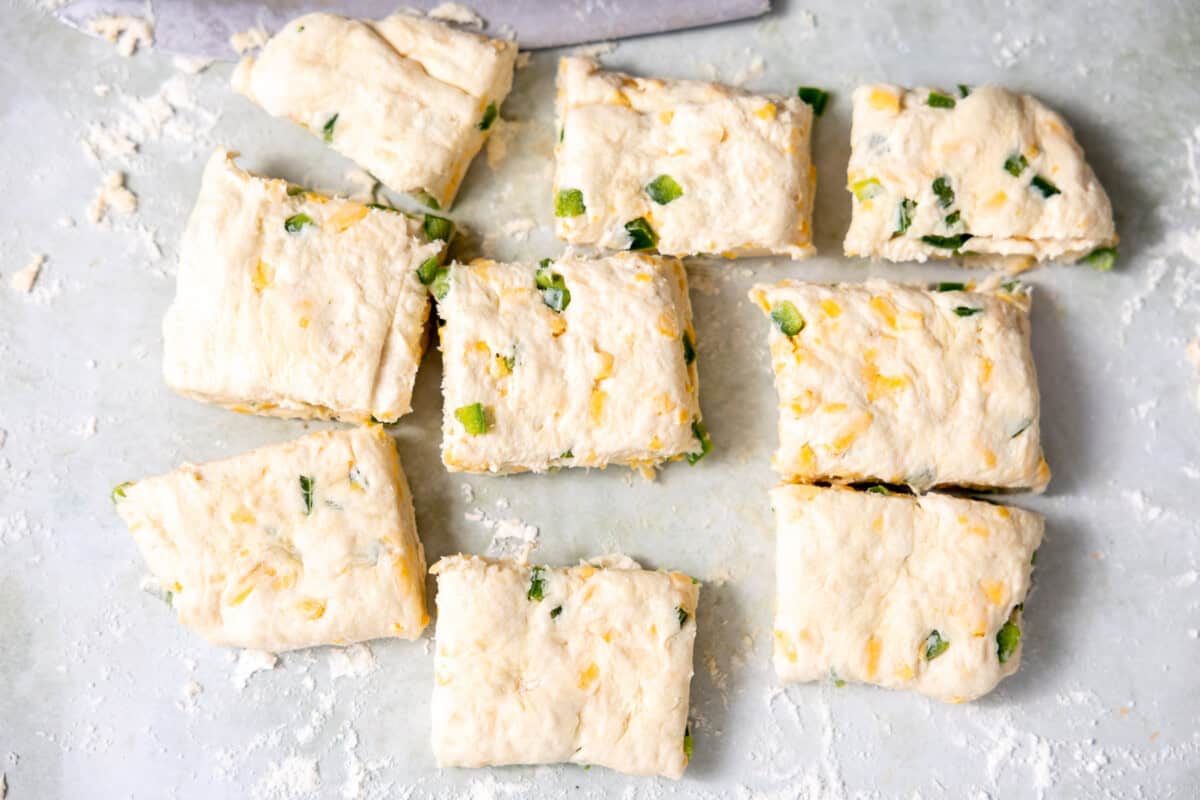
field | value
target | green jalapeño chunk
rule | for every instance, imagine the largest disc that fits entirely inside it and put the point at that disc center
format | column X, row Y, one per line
column 904, row 216
column 537, row 584
column 641, row 235
column 817, row 98
column 787, row 317
column 438, row 227
column 706, row 445
column 553, row 287
column 664, row 189
column 1044, row 186
column 428, row 270
column 1008, row 639
column 1102, row 259
column 296, row 223
column 473, row 419
column 489, row 117
column 941, row 188
column 939, row 100
column 569, row 203
column 327, row 130
column 935, row 645
column 306, row 491
column 1015, row 165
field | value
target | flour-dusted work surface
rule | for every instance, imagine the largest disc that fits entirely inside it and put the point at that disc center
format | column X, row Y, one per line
column 106, row 695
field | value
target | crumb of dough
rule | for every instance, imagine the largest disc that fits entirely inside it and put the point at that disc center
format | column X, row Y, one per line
column 455, row 12
column 126, row 32
column 251, row 39
column 250, row 662
column 113, row 195
column 24, row 278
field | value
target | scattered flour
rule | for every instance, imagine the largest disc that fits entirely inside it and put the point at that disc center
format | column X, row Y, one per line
column 353, row 661
column 455, row 12
column 250, row 662
column 112, row 195
column 243, row 42
column 126, row 32
column 290, row 779
column 24, row 278
column 1146, row 511
column 751, row 71
column 189, row 697
column 519, row 229
column 1009, row 52
column 502, row 135
column 511, row 538
column 191, row 65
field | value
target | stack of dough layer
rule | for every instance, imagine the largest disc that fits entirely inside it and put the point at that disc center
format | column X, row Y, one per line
column 706, row 168
column 588, row 664
column 578, row 362
column 306, row 543
column 992, row 173
column 293, row 304
column 409, row 99
column 918, row 593
column 893, row 384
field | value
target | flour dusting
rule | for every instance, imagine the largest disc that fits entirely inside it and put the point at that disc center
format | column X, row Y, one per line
column 128, row 33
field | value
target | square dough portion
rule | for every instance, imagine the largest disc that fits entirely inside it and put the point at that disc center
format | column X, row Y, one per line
column 605, row 381
column 900, row 591
column 296, row 305
column 406, row 98
column 305, row 543
column 739, row 161
column 897, row 384
column 991, row 152
column 541, row 665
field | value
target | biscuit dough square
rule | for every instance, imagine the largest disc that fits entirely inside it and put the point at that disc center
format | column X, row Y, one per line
column 305, row 543
column 293, row 304
column 917, row 593
column 539, row 665
column 705, row 168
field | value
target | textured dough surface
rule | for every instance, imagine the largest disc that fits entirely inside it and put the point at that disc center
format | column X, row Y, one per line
column 903, row 144
column 249, row 563
column 605, row 381
column 741, row 160
column 409, row 93
column 326, row 321
column 896, row 384
column 863, row 580
column 595, row 672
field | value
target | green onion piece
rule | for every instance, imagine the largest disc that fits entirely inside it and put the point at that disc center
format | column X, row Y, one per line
column 292, row 191
column 428, row 270
column 953, row 218
column 967, row 311
column 1015, row 165
column 866, row 189
column 1008, row 639
column 306, row 489
column 935, row 645
column 1044, row 186
column 641, row 235
column 689, row 745
column 1102, row 258
column 554, row 612
column 296, row 222
column 706, row 445
column 438, row 227
column 785, row 315
column 489, row 117
column 545, row 262
column 664, row 189
column 327, row 131
column 569, row 203
column 473, row 419
column 553, row 288
column 537, row 584
column 964, row 90
column 941, row 187
column 939, row 100
column 426, row 199
column 118, row 492
column 817, row 98
column 689, row 349
column 948, row 242
column 879, row 490
column 683, row 615
column 904, row 216
column 440, row 286
column 950, row 287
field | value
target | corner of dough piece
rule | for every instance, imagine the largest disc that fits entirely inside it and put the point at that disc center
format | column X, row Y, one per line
column 425, row 95
column 918, row 593
column 542, row 665
column 981, row 174
column 683, row 167
column 289, row 303
column 311, row 542
column 885, row 383
column 571, row 363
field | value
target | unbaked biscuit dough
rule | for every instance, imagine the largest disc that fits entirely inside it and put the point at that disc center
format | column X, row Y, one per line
column 409, row 99
column 896, row 384
column 704, row 167
column 917, row 593
column 293, row 304
column 994, row 174
column 577, row 362
column 294, row 545
column 540, row 665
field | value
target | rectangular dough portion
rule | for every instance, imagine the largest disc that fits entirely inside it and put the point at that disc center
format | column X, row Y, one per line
column 540, row 665
column 917, row 593
column 609, row 379
column 708, row 168
column 294, row 545
column 896, row 384
column 998, row 168
column 293, row 304
column 409, row 99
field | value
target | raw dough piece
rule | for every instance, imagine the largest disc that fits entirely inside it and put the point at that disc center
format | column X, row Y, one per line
column 295, row 304
column 294, row 545
column 927, row 168
column 896, row 384
column 544, row 665
column 409, row 99
column 606, row 380
column 918, row 593
column 708, row 168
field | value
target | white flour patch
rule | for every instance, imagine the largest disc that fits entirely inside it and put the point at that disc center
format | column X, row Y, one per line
column 290, row 779
column 1009, row 52
column 126, row 32
column 111, row 195
column 511, row 538
column 455, row 12
column 189, row 697
column 468, row 494
column 751, row 71
column 24, row 278
column 243, row 42
column 102, row 143
column 1146, row 511
column 1154, row 276
column 519, row 229
column 250, row 662
column 353, row 661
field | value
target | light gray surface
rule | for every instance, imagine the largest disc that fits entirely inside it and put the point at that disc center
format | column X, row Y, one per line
column 93, row 670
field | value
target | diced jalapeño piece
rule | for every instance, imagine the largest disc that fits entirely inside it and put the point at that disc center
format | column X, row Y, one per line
column 1044, row 186
column 552, row 286
column 967, row 311
column 537, row 584
column 939, row 100
column 473, row 419
column 327, row 129
column 569, row 203
column 306, row 490
column 296, row 222
column 689, row 349
column 428, row 270
column 438, row 227
column 1102, row 258
column 440, row 286
column 785, row 315
column 817, row 98
column 947, row 242
column 935, row 645
column 941, row 188
column 489, row 117
column 706, row 445
column 1008, row 638
column 664, row 189
column 866, row 189
column 950, row 287
column 641, row 235
column 1015, row 165
column 904, row 216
